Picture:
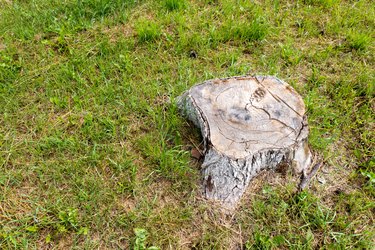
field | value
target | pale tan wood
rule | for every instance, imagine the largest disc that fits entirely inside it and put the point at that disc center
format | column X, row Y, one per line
column 248, row 124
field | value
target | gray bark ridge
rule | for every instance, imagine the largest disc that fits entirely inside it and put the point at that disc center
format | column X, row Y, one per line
column 249, row 124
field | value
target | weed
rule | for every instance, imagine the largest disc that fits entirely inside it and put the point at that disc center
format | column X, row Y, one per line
column 172, row 5
column 290, row 55
column 370, row 175
column 359, row 41
column 140, row 240
column 147, row 31
column 68, row 219
column 247, row 31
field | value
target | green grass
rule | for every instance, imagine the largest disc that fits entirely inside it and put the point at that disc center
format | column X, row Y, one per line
column 171, row 5
column 147, row 31
column 93, row 151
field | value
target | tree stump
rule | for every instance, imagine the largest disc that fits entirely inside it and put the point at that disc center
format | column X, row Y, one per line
column 248, row 124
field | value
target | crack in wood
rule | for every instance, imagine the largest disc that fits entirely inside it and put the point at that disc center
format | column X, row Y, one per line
column 277, row 98
column 271, row 118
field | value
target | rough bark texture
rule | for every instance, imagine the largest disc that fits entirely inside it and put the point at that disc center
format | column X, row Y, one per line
column 248, row 124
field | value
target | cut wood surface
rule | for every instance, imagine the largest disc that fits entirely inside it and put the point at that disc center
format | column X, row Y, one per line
column 248, row 124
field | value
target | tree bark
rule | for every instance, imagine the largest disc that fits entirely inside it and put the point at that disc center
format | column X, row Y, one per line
column 248, row 124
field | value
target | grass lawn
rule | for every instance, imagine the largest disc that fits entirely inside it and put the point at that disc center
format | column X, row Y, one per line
column 94, row 153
